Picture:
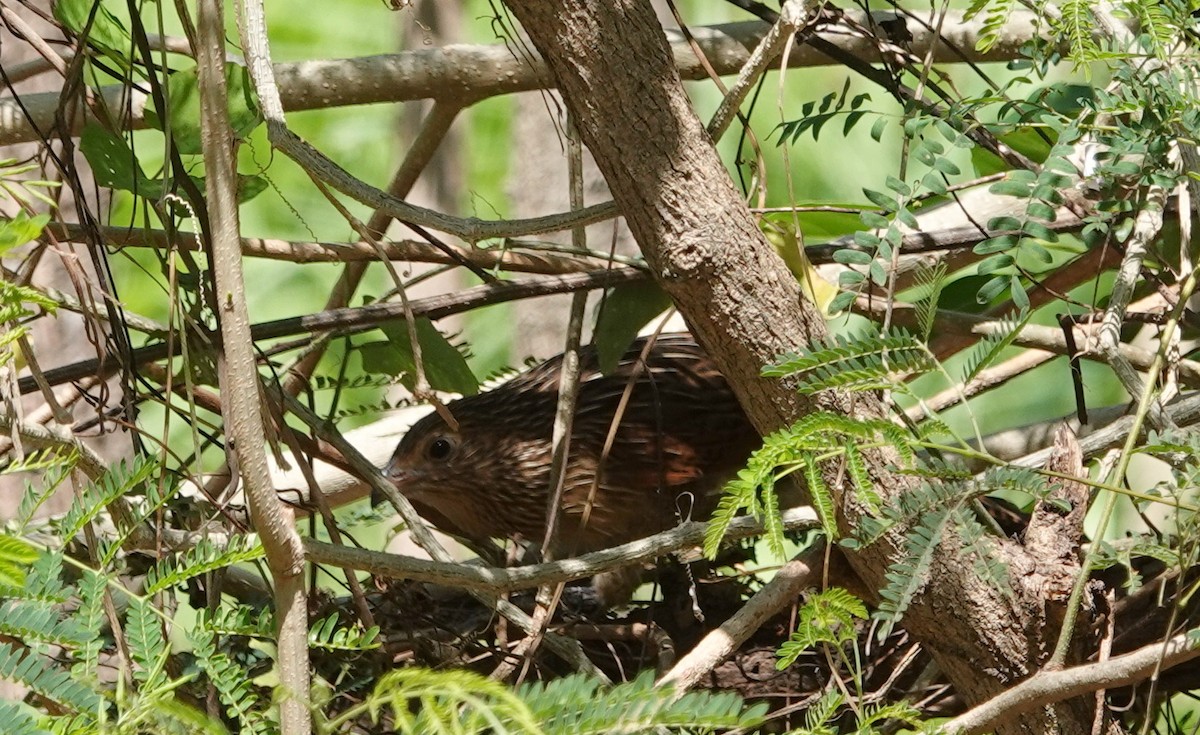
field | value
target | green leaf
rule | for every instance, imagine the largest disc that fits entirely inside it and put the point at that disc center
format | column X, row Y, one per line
column 626, row 309
column 879, row 199
column 996, row 244
column 947, row 167
column 112, row 160
column 1041, row 210
column 1040, row 231
column 21, row 229
column 1011, row 188
column 1004, row 222
column 874, row 220
column 852, row 257
column 877, row 129
column 934, row 183
column 248, row 187
column 445, row 367
column 1019, row 296
column 183, row 115
column 866, row 239
column 15, row 555
column 841, row 302
column 105, row 31
column 994, row 263
column 991, row 289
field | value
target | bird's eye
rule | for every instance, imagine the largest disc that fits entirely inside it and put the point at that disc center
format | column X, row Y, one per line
column 439, row 449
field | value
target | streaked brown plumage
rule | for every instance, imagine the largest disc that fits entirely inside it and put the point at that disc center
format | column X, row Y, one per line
column 681, row 437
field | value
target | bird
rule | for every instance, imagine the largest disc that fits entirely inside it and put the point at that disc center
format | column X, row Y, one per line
column 681, row 435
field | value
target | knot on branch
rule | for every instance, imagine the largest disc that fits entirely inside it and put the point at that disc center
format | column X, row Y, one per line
column 690, row 256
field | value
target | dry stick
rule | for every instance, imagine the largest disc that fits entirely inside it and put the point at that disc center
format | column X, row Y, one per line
column 254, row 39
column 548, row 596
column 441, row 306
column 497, row 580
column 57, row 59
column 420, row 390
column 790, row 19
column 43, row 413
column 56, row 438
column 1146, row 405
column 1184, row 412
column 422, row 150
column 925, row 241
column 955, row 323
column 1047, row 686
column 292, row 251
column 799, row 573
column 22, row 29
column 242, row 403
column 986, row 380
column 358, row 319
column 1147, row 224
column 493, row 70
column 326, row 511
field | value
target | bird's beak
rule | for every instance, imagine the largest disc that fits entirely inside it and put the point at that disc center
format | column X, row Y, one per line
column 396, row 473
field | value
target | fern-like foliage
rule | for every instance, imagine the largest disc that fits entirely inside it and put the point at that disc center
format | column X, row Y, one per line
column 237, row 620
column 202, row 558
column 15, row 555
column 90, row 616
column 147, row 642
column 120, row 480
column 813, row 440
column 17, row 303
column 329, row 634
column 580, row 705
column 52, row 468
column 995, row 18
column 827, row 617
column 236, row 693
column 35, row 672
column 907, row 575
column 858, row 363
column 20, row 719
column 928, row 514
column 30, row 621
column 1123, row 554
column 446, row 701
column 1077, row 24
column 825, row 716
column 423, row 701
column 990, row 347
column 1013, row 478
column 930, row 281
column 977, row 544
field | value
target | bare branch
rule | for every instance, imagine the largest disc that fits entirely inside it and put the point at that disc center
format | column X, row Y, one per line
column 1048, row 687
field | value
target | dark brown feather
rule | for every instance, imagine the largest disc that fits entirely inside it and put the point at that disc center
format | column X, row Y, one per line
column 682, row 435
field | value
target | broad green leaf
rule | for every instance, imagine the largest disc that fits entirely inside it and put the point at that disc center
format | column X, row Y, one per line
column 183, row 95
column 113, row 162
column 105, row 31
column 445, row 367
column 627, row 309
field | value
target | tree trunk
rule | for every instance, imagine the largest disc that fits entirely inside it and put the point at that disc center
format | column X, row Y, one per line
column 613, row 66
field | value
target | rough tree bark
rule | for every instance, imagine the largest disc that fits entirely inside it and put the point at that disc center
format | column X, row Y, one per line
column 613, row 66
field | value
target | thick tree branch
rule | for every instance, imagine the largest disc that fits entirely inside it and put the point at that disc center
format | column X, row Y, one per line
column 616, row 74
column 1047, row 687
column 469, row 73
